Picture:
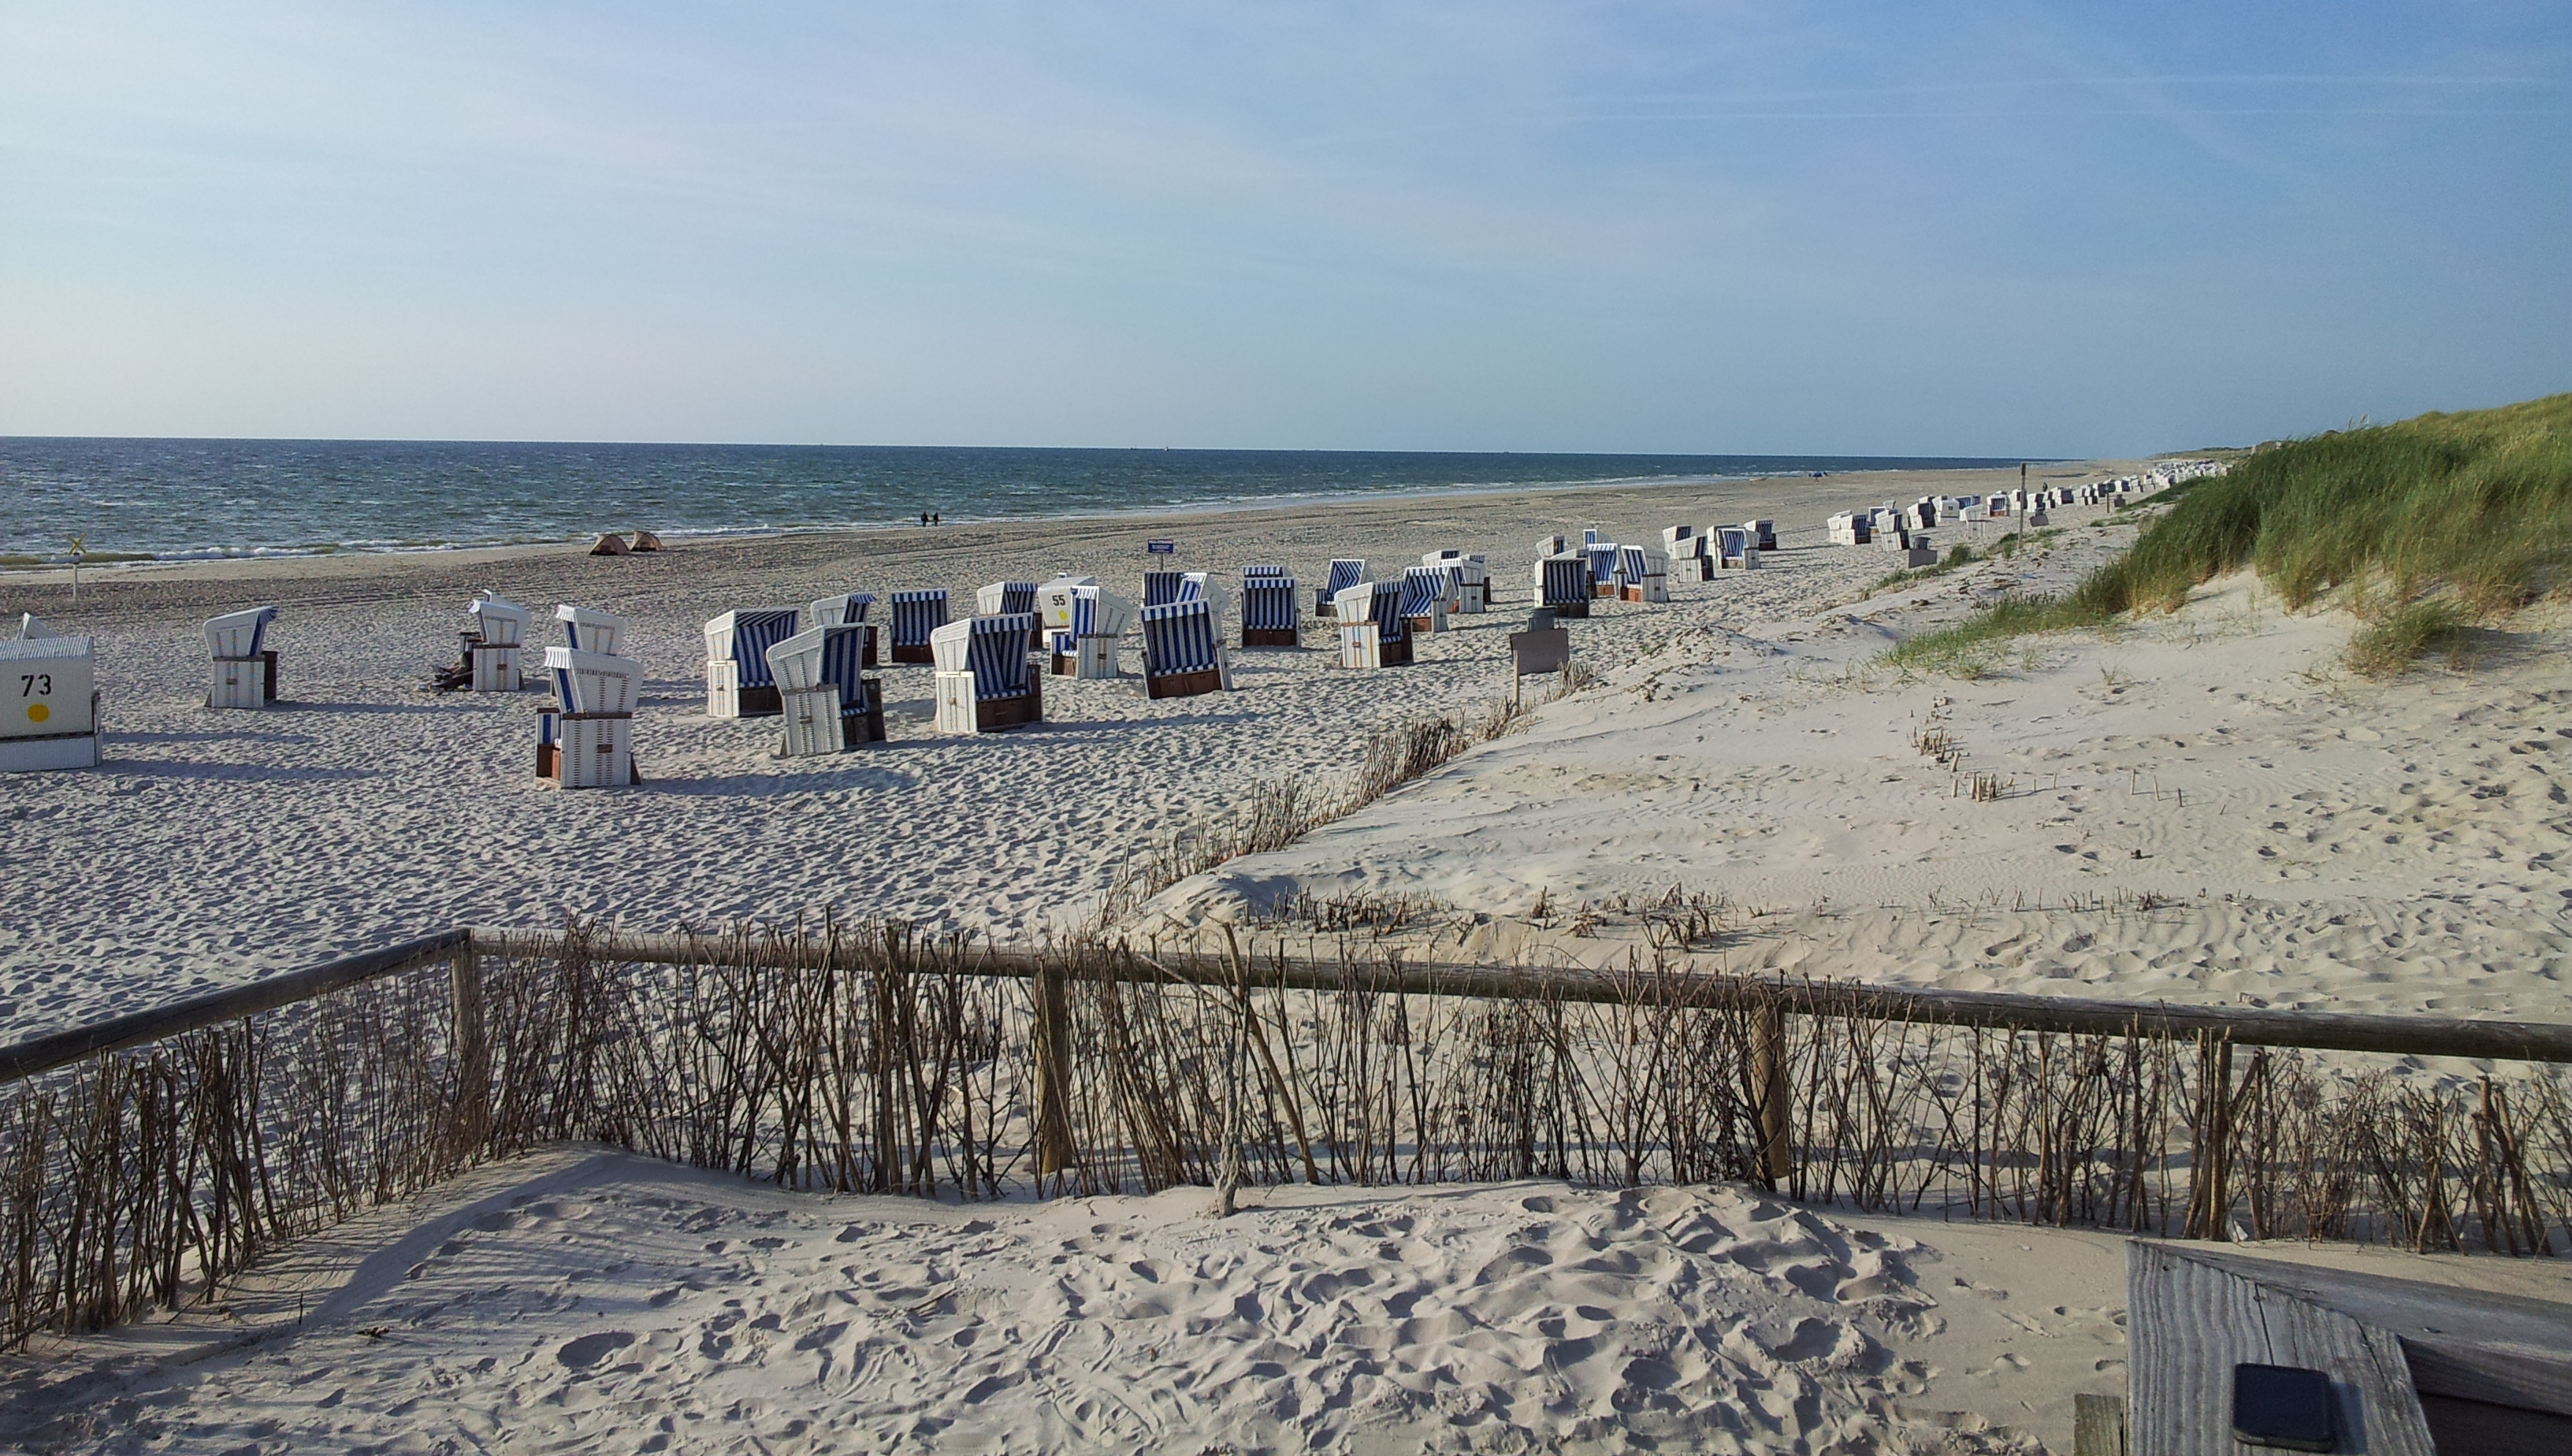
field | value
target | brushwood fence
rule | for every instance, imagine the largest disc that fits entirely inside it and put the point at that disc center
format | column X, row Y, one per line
column 143, row 1162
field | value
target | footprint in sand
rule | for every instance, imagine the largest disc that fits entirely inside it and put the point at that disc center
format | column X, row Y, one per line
column 590, row 1351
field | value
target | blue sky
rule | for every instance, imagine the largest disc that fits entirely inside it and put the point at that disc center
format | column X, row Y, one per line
column 1986, row 229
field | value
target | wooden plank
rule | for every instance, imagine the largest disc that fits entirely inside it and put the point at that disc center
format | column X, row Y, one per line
column 2191, row 1320
column 2098, row 1425
column 2325, row 1031
column 60, row 1049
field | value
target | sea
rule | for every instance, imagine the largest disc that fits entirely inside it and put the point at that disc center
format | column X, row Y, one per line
column 126, row 499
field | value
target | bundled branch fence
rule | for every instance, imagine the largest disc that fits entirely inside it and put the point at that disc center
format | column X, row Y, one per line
column 145, row 1160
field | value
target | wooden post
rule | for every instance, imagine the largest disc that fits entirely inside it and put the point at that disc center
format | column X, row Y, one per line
column 1054, row 1073
column 1768, row 1068
column 472, row 1047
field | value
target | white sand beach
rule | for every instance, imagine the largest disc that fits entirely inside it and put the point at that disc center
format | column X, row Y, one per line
column 2197, row 807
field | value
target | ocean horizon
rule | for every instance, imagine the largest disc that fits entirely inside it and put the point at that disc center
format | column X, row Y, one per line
column 178, row 499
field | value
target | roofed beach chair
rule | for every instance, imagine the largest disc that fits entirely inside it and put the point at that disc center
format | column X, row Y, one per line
column 1346, row 571
column 1735, row 550
column 738, row 684
column 917, row 615
column 1763, row 535
column 1270, row 615
column 1473, row 579
column 1183, row 651
column 1424, row 600
column 1549, row 546
column 984, row 683
column 1889, row 529
column 828, row 702
column 244, row 666
column 1603, row 567
column 1004, row 598
column 1642, row 576
column 492, row 649
column 1053, row 601
column 49, row 716
column 1848, row 528
column 845, row 610
column 587, row 741
column 1161, row 589
column 1563, row 583
column 1688, row 549
column 1086, row 647
column 589, row 630
column 1371, row 630
column 1590, row 538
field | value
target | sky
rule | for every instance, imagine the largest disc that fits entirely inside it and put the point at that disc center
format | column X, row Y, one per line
column 1988, row 229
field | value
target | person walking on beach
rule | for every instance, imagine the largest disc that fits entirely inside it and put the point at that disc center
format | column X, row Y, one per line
column 924, row 517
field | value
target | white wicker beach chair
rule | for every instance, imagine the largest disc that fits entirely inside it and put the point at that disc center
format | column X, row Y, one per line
column 587, row 741
column 1473, row 579
column 1183, row 651
column 48, row 715
column 1563, row 583
column 1642, row 575
column 983, row 681
column 588, row 630
column 1346, row 571
column 1424, row 600
column 1763, row 535
column 1004, row 598
column 829, row 701
column 245, row 674
column 493, row 649
column 917, row 616
column 1371, row 626
column 738, row 684
column 1603, row 567
column 1161, row 589
column 1735, row 550
column 840, row 609
column 1087, row 648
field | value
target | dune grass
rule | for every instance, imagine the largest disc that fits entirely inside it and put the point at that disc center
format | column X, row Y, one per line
column 2453, row 516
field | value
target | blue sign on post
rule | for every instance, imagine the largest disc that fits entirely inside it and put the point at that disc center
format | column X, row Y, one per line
column 1162, row 548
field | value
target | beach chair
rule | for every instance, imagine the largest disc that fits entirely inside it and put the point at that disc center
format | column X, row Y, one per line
column 49, row 710
column 1004, row 598
column 983, row 681
column 1603, row 567
column 1345, row 573
column 846, row 610
column 587, row 741
column 1053, row 602
column 738, row 684
column 1549, row 546
column 586, row 631
column 1563, row 583
column 1848, row 528
column 1183, row 651
column 1735, row 550
column 1424, row 600
column 1685, row 546
column 1087, row 647
column 1590, row 538
column 1270, row 617
column 1890, row 530
column 1538, row 650
column 1471, row 592
column 1763, row 535
column 492, row 649
column 244, row 666
column 828, row 702
column 1371, row 630
column 917, row 616
column 1642, row 576
column 1161, row 589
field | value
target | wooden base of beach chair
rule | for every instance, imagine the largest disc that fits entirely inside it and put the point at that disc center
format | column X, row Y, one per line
column 496, row 669
column 914, row 652
column 51, row 751
column 866, row 727
column 241, row 682
column 1271, row 637
column 1645, row 594
column 1568, row 608
column 960, row 711
column 595, row 751
column 1425, row 625
column 1183, row 684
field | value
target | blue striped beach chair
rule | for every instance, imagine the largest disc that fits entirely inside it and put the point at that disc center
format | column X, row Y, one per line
column 587, row 741
column 1735, row 550
column 829, row 701
column 1269, row 615
column 1472, row 575
column 1642, row 575
column 1161, row 589
column 1086, row 647
column 1053, row 602
column 738, row 684
column 1424, row 600
column 1004, row 598
column 244, row 673
column 1184, row 651
column 1345, row 573
column 1563, row 583
column 849, row 608
column 1603, row 567
column 983, row 681
column 1763, row 535
column 915, row 616
column 1371, row 630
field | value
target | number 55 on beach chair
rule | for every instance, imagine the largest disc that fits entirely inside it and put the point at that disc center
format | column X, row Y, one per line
column 1183, row 651
column 984, row 683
